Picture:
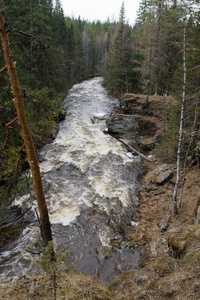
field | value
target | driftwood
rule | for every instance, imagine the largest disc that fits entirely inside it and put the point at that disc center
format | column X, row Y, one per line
column 132, row 149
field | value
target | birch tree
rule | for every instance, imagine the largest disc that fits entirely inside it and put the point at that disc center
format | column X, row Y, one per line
column 181, row 124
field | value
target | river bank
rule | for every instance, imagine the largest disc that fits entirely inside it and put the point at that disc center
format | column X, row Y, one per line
column 169, row 268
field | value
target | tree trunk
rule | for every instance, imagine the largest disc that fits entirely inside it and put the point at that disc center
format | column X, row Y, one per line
column 30, row 148
column 180, row 129
column 157, row 52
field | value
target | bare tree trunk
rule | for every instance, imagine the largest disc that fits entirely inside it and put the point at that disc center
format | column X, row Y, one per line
column 31, row 38
column 180, row 129
column 187, row 153
column 30, row 149
column 149, row 72
column 126, row 79
column 157, row 53
column 164, row 114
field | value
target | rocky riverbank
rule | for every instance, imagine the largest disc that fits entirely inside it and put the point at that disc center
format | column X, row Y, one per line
column 171, row 253
column 169, row 268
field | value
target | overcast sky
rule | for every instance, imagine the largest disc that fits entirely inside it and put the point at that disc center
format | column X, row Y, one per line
column 101, row 9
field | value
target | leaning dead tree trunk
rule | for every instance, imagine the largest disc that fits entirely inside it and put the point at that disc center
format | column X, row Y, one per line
column 132, row 149
column 26, row 135
column 180, row 129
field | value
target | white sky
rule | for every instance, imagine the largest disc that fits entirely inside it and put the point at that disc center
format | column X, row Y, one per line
column 101, row 9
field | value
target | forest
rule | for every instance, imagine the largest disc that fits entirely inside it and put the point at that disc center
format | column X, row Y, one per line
column 157, row 56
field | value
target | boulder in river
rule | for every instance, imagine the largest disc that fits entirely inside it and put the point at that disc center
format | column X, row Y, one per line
column 123, row 126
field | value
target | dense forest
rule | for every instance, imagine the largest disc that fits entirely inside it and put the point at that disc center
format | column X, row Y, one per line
column 158, row 55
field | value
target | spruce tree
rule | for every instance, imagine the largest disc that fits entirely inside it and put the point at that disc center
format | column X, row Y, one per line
column 120, row 70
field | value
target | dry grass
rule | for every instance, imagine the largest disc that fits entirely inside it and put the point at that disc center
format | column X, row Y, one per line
column 70, row 287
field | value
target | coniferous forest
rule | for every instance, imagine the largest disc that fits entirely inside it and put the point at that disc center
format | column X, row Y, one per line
column 155, row 64
column 53, row 51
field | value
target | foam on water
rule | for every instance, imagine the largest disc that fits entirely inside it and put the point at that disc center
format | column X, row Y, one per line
column 84, row 168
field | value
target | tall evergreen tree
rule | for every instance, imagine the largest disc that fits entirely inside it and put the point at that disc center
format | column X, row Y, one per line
column 120, row 71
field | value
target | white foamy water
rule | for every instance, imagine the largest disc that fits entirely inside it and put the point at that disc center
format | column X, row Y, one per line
column 83, row 144
column 88, row 174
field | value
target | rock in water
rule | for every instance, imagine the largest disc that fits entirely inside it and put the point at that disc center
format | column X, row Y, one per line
column 123, row 126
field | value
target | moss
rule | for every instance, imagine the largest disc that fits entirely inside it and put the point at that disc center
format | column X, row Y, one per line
column 177, row 242
column 59, row 115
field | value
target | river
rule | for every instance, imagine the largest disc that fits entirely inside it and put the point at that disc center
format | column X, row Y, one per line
column 91, row 185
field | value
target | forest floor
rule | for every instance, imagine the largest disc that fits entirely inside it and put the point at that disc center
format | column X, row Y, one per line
column 170, row 267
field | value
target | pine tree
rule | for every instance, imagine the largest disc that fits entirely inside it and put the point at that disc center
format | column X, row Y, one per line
column 30, row 149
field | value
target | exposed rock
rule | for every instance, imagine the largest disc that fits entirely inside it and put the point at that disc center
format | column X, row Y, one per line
column 144, row 108
column 153, row 246
column 97, row 118
column 159, row 175
column 123, row 126
column 146, row 128
column 130, row 97
column 54, row 131
column 132, row 104
column 164, row 223
column 140, row 279
column 147, row 144
column 104, row 252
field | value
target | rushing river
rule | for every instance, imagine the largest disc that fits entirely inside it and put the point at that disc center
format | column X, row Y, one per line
column 91, row 186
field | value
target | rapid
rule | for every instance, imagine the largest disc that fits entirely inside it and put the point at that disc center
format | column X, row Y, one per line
column 91, row 185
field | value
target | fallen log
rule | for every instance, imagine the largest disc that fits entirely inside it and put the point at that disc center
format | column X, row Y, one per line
column 132, row 149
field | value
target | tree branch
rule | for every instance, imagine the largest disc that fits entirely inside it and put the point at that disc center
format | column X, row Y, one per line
column 27, row 34
column 4, row 69
column 9, row 129
column 11, row 122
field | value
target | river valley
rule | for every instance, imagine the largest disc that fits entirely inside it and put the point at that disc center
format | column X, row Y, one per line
column 91, row 187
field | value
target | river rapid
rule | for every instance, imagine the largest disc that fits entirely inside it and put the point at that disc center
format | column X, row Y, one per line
column 91, row 186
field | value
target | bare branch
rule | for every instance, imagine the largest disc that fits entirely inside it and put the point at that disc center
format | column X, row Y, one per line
column 11, row 122
column 4, row 69
column 9, row 129
column 197, row 67
column 27, row 34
